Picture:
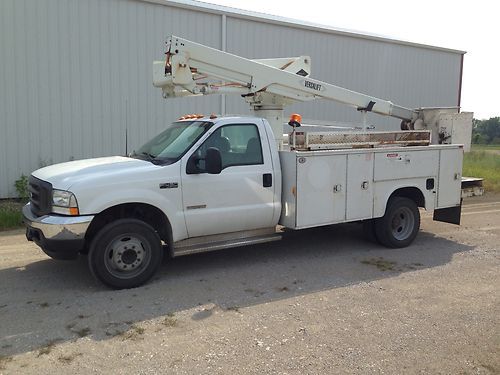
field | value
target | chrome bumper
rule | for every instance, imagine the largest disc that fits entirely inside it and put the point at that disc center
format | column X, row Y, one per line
column 56, row 227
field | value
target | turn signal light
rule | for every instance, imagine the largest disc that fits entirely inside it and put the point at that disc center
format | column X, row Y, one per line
column 73, row 211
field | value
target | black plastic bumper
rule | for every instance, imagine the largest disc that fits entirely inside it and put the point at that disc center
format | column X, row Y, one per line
column 56, row 249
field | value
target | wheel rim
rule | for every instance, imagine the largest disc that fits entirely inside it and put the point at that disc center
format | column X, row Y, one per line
column 402, row 223
column 127, row 255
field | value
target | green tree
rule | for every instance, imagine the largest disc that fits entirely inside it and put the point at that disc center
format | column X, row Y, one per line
column 486, row 131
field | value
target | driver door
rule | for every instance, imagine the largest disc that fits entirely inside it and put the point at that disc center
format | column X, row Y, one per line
column 241, row 197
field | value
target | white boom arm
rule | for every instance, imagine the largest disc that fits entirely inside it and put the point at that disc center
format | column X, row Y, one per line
column 267, row 85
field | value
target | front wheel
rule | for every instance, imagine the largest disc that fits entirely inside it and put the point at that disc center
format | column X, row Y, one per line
column 125, row 253
column 400, row 224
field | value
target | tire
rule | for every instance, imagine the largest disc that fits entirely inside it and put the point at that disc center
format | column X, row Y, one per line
column 400, row 224
column 125, row 253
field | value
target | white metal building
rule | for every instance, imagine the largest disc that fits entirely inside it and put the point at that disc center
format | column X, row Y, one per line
column 75, row 75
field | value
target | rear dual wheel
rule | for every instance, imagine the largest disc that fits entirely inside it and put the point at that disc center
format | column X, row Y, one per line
column 398, row 227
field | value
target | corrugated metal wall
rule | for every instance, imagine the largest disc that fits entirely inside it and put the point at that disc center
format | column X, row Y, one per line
column 76, row 74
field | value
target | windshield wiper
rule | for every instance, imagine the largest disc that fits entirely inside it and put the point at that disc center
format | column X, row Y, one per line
column 144, row 156
column 148, row 155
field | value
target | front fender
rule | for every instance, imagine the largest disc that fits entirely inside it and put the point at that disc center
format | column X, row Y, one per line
column 169, row 202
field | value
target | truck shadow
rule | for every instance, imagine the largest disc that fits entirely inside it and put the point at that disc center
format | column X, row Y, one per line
column 50, row 301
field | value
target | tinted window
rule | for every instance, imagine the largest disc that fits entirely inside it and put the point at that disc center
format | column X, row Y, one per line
column 238, row 145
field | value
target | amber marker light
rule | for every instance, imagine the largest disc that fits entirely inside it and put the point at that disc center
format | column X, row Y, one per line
column 73, row 211
column 295, row 119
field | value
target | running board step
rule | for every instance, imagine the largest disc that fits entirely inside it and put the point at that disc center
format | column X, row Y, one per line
column 219, row 245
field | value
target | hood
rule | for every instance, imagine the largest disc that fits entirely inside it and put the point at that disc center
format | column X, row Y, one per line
column 64, row 175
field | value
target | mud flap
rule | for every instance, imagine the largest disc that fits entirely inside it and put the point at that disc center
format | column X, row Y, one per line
column 448, row 215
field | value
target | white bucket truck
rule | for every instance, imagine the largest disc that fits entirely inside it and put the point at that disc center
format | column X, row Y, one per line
column 209, row 182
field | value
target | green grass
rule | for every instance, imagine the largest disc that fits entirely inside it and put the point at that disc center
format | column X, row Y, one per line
column 10, row 214
column 478, row 147
column 485, row 164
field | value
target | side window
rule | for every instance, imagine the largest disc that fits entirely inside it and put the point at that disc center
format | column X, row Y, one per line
column 238, row 145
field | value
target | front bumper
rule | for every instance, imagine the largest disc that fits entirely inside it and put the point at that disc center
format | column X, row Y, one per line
column 60, row 237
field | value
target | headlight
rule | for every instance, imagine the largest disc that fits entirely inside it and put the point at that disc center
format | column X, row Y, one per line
column 64, row 202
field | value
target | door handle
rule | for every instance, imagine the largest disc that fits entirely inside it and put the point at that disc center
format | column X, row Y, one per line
column 267, row 180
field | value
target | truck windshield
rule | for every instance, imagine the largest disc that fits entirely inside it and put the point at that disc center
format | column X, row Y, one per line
column 171, row 144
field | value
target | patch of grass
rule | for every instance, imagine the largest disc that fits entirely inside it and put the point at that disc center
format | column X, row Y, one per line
column 139, row 330
column 21, row 186
column 380, row 263
column 485, row 165
column 283, row 289
column 134, row 333
column 82, row 332
column 233, row 308
column 479, row 147
column 491, row 369
column 10, row 214
column 387, row 265
column 67, row 359
column 4, row 359
column 114, row 333
column 47, row 348
column 170, row 321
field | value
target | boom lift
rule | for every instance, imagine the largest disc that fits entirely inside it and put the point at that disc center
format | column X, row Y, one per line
column 268, row 85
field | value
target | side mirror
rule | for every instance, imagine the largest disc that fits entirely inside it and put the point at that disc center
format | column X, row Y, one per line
column 192, row 164
column 213, row 161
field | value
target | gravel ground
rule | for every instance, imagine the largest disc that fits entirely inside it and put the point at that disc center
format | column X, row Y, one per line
column 320, row 301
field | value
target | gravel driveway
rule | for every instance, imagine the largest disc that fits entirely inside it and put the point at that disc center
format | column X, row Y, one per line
column 319, row 301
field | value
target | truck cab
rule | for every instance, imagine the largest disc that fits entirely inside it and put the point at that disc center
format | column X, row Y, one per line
column 200, row 177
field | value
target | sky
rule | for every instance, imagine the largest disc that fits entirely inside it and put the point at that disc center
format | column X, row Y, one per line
column 471, row 26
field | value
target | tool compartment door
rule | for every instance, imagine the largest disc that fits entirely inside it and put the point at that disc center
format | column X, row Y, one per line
column 400, row 164
column 359, row 186
column 321, row 190
column 450, row 177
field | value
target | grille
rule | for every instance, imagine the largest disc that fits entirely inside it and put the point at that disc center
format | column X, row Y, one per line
column 40, row 196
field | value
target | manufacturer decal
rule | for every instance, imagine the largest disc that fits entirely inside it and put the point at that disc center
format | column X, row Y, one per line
column 392, row 155
column 169, row 185
column 313, row 85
